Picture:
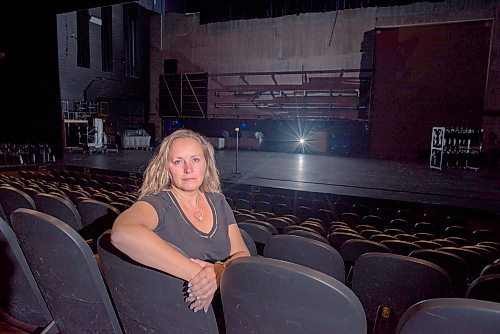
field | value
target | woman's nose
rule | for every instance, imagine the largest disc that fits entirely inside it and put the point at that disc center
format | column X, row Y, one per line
column 188, row 168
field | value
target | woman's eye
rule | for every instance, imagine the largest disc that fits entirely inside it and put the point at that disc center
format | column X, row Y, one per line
column 177, row 162
column 196, row 159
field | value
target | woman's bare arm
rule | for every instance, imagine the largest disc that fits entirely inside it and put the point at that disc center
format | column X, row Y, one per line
column 238, row 247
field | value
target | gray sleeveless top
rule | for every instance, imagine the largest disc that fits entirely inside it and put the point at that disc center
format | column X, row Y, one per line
column 175, row 228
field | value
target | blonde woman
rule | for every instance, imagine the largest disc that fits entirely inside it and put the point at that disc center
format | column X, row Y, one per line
column 180, row 204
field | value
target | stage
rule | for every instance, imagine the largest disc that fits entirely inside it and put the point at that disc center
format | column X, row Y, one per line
column 367, row 178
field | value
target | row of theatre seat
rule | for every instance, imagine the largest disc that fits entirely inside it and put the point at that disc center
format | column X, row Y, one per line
column 387, row 274
column 55, row 276
column 330, row 208
column 128, row 184
column 88, row 210
column 285, row 291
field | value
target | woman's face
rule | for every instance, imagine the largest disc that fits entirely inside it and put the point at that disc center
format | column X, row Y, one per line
column 186, row 164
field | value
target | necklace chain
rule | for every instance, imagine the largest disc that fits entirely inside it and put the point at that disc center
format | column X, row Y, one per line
column 197, row 213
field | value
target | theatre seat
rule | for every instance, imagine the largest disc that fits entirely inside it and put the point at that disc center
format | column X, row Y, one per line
column 368, row 233
column 486, row 288
column 248, row 196
column 442, row 242
column 336, row 239
column 493, row 268
column 120, row 206
column 263, row 206
column 20, row 296
column 351, row 250
column 259, row 216
column 484, row 235
column 262, row 295
column 432, row 218
column 374, row 221
column 474, row 260
column 147, row 300
column 77, row 195
column 291, row 228
column 401, row 224
column 315, row 225
column 487, row 254
column 248, row 242
column 426, row 227
column 454, row 265
column 304, row 212
column 493, row 250
column 12, row 198
column 102, row 197
column 400, row 247
column 394, row 231
column 262, row 197
column 313, row 254
column 407, row 237
column 259, row 234
column 382, row 237
column 455, row 221
column 66, row 272
column 388, row 284
column 241, row 217
column 97, row 217
column 451, row 316
column 326, row 216
column 361, row 209
column 31, row 191
column 279, row 222
column 425, row 236
column 457, row 231
column 290, row 218
column 339, row 208
column 426, row 244
column 241, row 203
column 281, row 209
column 264, row 223
column 350, row 218
column 308, row 234
column 60, row 208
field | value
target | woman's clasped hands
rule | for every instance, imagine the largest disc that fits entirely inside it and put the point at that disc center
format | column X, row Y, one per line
column 202, row 287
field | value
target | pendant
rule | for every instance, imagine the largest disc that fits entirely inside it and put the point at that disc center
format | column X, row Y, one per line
column 198, row 214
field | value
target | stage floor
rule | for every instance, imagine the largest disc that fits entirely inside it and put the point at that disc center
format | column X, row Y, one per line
column 345, row 176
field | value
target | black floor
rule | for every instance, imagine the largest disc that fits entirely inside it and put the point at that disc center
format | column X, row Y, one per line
column 367, row 178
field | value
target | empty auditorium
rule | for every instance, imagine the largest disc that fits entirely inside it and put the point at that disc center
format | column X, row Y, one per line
column 234, row 167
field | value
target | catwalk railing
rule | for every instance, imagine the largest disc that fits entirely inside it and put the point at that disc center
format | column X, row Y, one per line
column 321, row 94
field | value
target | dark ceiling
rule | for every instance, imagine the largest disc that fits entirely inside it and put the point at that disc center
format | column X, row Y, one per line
column 226, row 10
column 211, row 11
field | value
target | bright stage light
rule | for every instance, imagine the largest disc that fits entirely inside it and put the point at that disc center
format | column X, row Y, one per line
column 302, row 141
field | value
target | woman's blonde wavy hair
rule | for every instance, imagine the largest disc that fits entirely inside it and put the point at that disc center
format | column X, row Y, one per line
column 157, row 177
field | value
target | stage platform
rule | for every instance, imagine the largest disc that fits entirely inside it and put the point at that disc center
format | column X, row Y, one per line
column 356, row 177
